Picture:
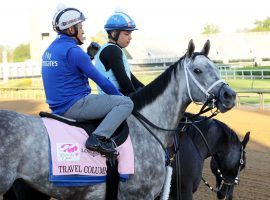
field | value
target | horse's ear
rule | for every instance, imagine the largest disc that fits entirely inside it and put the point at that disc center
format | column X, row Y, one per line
column 206, row 48
column 191, row 48
column 245, row 140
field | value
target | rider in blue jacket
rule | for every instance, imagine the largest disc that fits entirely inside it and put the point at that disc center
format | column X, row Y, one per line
column 65, row 72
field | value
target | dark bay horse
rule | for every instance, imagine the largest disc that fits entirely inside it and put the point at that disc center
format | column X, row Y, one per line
column 24, row 139
column 226, row 152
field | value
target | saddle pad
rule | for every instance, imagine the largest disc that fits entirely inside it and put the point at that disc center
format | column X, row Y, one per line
column 74, row 165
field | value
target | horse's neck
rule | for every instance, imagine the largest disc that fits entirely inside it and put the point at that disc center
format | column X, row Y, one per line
column 213, row 142
column 168, row 108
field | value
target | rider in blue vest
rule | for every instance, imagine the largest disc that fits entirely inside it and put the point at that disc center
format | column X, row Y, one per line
column 111, row 59
column 65, row 72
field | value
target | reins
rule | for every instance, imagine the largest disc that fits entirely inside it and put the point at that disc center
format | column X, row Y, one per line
column 145, row 121
column 210, row 100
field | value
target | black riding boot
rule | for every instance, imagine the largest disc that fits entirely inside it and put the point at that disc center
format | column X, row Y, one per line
column 100, row 144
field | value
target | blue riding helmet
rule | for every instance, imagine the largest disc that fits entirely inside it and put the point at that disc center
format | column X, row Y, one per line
column 120, row 21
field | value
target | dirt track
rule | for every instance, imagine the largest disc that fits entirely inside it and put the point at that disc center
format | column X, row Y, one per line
column 254, row 180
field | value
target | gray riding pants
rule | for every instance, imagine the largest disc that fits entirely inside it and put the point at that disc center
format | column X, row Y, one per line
column 114, row 108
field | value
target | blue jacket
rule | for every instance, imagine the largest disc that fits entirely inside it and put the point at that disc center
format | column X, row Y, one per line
column 65, row 72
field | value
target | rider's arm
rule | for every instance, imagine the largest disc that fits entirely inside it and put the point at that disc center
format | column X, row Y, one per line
column 79, row 59
column 111, row 57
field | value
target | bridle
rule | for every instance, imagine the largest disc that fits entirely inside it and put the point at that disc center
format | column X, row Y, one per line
column 207, row 93
column 210, row 98
column 224, row 180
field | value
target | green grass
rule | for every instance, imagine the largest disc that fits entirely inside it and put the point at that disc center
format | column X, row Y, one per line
column 238, row 84
column 251, row 98
column 249, row 84
column 145, row 79
column 21, row 83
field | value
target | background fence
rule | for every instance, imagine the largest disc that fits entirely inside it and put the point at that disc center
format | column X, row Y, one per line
column 245, row 74
column 21, row 71
column 27, row 70
column 243, row 96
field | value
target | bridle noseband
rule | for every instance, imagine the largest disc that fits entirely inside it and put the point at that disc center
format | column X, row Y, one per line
column 209, row 96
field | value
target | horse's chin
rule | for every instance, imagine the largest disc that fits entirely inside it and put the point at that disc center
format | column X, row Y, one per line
column 225, row 193
column 219, row 196
column 224, row 108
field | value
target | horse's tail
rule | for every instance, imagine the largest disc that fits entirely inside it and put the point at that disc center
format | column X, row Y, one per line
column 112, row 181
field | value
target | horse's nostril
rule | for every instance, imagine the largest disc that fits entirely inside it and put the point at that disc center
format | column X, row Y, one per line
column 229, row 96
column 226, row 95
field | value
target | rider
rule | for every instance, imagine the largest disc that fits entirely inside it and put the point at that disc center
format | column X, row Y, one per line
column 65, row 72
column 111, row 59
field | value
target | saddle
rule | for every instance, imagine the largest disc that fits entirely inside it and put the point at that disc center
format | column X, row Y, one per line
column 119, row 136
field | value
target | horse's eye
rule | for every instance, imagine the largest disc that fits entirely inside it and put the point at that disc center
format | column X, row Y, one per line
column 197, row 71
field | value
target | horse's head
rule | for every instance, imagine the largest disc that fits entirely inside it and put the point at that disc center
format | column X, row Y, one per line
column 203, row 80
column 226, row 165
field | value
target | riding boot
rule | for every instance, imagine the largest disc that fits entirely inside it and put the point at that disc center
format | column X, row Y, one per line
column 100, row 144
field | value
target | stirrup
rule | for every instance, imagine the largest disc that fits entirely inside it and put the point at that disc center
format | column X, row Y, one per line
column 101, row 145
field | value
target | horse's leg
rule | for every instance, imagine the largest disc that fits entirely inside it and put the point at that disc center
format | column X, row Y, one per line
column 10, row 195
column 8, row 166
column 7, row 173
column 186, row 195
column 21, row 191
column 24, row 192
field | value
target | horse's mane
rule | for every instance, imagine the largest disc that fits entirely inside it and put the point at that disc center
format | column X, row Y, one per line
column 151, row 91
column 229, row 132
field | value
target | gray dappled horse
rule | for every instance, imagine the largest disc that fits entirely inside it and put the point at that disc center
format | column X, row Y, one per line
column 227, row 154
column 24, row 140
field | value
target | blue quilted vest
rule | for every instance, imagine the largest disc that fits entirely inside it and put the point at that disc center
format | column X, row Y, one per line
column 109, row 74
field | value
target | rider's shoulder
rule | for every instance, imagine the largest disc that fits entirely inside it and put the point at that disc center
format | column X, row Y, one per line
column 112, row 50
column 77, row 52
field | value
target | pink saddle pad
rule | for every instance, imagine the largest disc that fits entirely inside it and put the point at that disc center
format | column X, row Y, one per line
column 70, row 157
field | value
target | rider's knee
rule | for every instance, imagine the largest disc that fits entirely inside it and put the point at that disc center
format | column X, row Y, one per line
column 129, row 103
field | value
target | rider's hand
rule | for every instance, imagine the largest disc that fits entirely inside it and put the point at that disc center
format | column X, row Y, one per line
column 92, row 49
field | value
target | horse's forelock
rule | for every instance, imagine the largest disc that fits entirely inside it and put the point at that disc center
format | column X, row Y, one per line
column 195, row 54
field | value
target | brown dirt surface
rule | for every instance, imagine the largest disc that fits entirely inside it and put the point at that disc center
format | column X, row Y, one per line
column 254, row 180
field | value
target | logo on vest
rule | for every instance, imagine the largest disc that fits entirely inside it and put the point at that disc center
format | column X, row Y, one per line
column 47, row 62
column 68, row 152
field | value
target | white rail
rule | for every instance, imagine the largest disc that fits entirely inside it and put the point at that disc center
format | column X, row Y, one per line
column 26, row 70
